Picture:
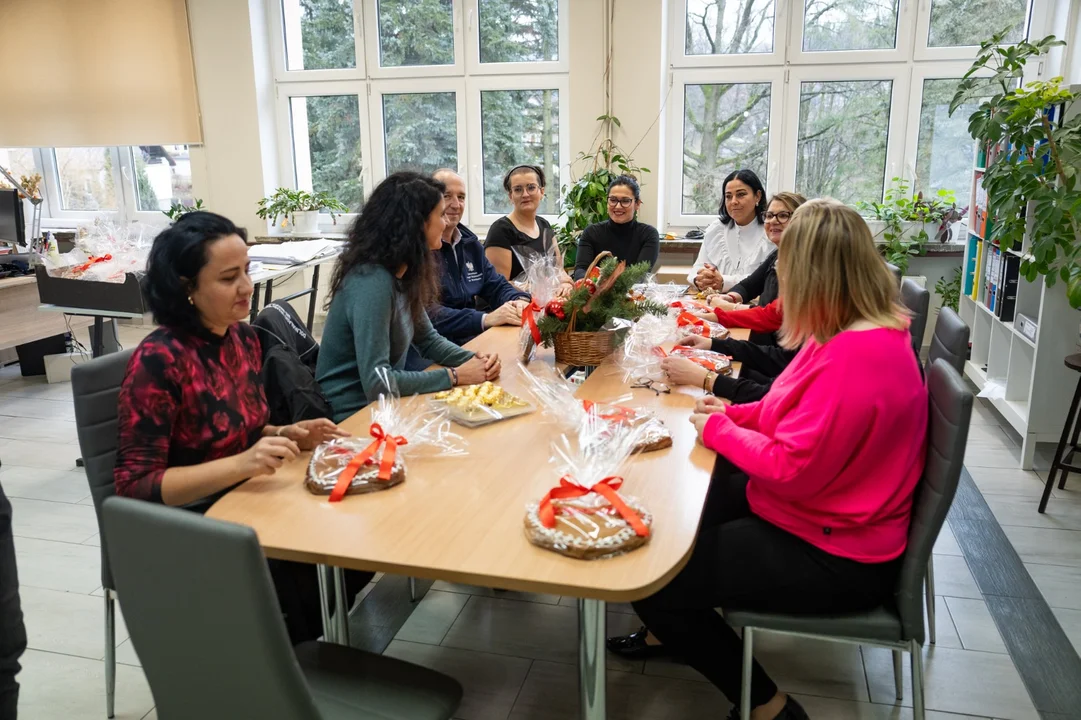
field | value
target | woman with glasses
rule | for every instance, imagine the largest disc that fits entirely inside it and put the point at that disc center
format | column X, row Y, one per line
column 735, row 244
column 621, row 234
column 523, row 227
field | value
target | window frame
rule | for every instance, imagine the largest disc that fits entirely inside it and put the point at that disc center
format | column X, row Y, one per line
column 371, row 48
column 899, row 53
column 412, row 86
column 474, row 67
column 677, row 42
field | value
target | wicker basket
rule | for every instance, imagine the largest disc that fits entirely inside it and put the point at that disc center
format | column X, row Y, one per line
column 585, row 348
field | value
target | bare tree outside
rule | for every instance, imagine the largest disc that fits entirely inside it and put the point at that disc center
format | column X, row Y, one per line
column 832, row 25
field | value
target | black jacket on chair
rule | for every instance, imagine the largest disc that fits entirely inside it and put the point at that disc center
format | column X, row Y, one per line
column 288, row 374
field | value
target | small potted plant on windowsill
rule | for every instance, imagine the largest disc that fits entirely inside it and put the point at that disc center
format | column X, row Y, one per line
column 299, row 209
column 907, row 221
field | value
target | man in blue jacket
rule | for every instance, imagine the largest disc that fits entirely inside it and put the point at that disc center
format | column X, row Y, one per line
column 467, row 280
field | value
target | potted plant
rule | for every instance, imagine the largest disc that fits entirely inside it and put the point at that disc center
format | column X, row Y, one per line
column 1032, row 184
column 949, row 290
column 585, row 200
column 299, row 208
column 909, row 219
column 178, row 209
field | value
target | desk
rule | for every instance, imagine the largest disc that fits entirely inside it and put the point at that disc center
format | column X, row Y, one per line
column 269, row 273
column 20, row 321
column 462, row 519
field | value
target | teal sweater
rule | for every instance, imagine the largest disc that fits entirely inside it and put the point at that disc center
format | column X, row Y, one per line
column 369, row 326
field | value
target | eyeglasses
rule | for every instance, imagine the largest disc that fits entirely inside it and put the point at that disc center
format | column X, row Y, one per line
column 523, row 189
column 657, row 387
column 781, row 217
column 621, row 201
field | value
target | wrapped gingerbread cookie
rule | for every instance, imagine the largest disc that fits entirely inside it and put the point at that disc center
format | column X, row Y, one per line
column 585, row 516
column 541, row 279
column 712, row 361
column 399, row 428
column 690, row 323
column 640, row 356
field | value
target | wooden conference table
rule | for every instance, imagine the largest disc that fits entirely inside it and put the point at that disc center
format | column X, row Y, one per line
column 460, row 519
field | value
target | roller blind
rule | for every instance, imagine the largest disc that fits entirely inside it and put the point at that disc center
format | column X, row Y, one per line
column 96, row 73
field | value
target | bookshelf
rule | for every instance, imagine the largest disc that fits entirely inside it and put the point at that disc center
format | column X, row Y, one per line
column 1026, row 379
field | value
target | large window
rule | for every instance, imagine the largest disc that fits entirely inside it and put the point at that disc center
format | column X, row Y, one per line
column 825, row 97
column 370, row 87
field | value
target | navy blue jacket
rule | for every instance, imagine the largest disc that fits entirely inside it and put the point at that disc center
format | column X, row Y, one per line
column 466, row 277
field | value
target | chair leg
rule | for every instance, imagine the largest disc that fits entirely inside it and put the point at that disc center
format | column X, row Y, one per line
column 412, row 589
column 898, row 675
column 930, row 588
column 110, row 653
column 748, row 660
column 1069, row 453
column 916, row 652
column 1071, row 418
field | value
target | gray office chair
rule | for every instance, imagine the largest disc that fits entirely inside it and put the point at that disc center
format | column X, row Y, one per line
column 918, row 300
column 896, row 272
column 95, row 386
column 203, row 616
column 897, row 625
column 949, row 343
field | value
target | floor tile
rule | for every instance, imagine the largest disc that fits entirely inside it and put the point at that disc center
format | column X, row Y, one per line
column 444, row 586
column 35, row 453
column 39, row 408
column 945, row 630
column 1005, row 480
column 37, row 483
column 491, row 682
column 1060, row 585
column 64, row 687
column 818, row 707
column 957, row 681
column 1070, row 620
column 569, row 601
column 946, row 543
column 1044, row 546
column 52, row 431
column 432, row 617
column 1062, row 513
column 1073, row 483
column 45, row 520
column 550, row 692
column 974, row 625
column 58, row 565
column 992, row 455
column 125, row 653
column 36, row 388
column 68, row 623
column 984, row 414
column 990, row 436
column 954, row 579
column 812, row 667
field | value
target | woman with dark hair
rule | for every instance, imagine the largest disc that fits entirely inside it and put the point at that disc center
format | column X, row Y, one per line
column 622, row 234
column 523, row 227
column 192, row 414
column 383, row 284
column 736, row 243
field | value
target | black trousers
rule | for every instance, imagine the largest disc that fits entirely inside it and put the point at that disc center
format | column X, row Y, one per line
column 769, row 360
column 743, row 562
column 12, row 631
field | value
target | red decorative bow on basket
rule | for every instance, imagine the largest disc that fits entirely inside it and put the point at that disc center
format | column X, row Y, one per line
column 365, row 456
column 606, row 488
column 529, row 318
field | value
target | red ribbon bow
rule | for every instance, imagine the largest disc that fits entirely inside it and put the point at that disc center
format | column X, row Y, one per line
column 529, row 318
column 618, row 414
column 606, row 488
column 686, row 318
column 365, row 456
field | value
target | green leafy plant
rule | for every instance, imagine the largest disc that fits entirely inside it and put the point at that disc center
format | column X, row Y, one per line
column 596, row 299
column 585, row 200
column 177, row 209
column 285, row 203
column 900, row 206
column 1033, row 173
column 950, row 290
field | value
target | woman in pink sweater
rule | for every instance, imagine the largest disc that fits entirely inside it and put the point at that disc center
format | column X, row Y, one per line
column 811, row 496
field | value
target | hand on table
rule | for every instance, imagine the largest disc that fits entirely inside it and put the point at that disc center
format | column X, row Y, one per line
column 697, row 342
column 710, row 404
column 709, row 277
column 681, row 371
column 479, row 368
column 266, row 456
column 724, row 300
column 509, row 313
column 565, row 289
column 699, row 422
column 307, row 434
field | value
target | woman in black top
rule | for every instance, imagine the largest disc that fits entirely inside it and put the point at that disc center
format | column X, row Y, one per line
column 621, row 234
column 523, row 226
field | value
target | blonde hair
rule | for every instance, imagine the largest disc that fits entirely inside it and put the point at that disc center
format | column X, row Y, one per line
column 831, row 275
column 790, row 200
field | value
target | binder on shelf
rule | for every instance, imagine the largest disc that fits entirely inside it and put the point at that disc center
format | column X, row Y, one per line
column 971, row 263
column 1011, row 271
column 977, row 275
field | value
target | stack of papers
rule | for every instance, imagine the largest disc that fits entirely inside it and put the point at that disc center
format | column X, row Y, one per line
column 294, row 252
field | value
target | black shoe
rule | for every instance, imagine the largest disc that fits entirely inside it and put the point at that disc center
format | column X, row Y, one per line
column 792, row 710
column 634, row 646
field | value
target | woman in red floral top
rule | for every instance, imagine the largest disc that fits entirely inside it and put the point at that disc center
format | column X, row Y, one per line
column 192, row 411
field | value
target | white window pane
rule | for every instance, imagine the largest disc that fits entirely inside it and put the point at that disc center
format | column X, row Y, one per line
column 969, row 22
column 729, row 27
column 17, row 161
column 416, row 32
column 843, row 128
column 86, row 178
column 162, row 176
column 849, row 25
column 319, row 34
column 513, row 31
column 326, row 146
column 421, row 131
column 519, row 127
column 725, row 128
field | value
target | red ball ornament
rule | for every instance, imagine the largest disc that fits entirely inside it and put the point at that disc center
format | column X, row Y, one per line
column 595, row 274
column 591, row 286
column 555, row 309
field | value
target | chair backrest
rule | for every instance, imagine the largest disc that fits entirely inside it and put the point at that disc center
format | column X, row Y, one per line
column 950, row 341
column 917, row 299
column 200, row 606
column 947, row 432
column 896, row 273
column 95, row 386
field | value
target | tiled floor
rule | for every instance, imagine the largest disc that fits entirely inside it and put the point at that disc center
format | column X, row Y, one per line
column 514, row 653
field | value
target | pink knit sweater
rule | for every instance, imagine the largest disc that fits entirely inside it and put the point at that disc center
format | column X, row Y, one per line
column 835, row 450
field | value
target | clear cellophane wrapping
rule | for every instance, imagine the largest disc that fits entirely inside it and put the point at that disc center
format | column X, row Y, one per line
column 425, row 429
column 691, row 324
column 555, row 396
column 640, row 356
column 660, row 293
column 585, row 516
column 712, row 361
column 541, row 279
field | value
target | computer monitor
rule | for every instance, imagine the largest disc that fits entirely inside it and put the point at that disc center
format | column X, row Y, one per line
column 12, row 223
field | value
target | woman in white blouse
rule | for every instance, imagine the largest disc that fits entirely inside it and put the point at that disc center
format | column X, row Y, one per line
column 735, row 244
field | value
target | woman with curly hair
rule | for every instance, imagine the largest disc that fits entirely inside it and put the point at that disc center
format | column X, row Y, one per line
column 384, row 282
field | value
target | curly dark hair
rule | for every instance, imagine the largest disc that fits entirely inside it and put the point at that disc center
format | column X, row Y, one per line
column 178, row 254
column 751, row 180
column 389, row 232
column 536, row 169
